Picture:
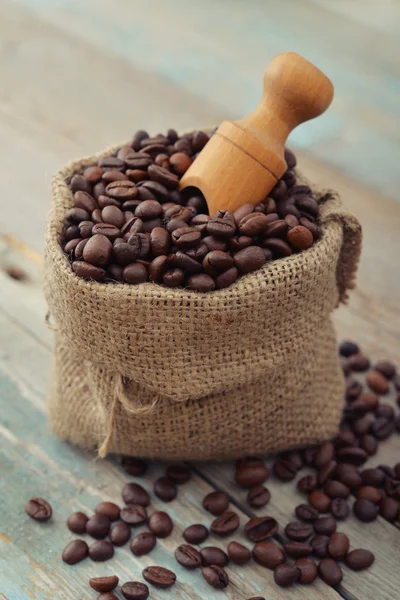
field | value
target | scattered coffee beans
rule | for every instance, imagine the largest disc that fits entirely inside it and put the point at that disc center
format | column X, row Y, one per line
column 159, row 577
column 330, row 572
column 143, row 543
column 77, row 522
column 258, row 496
column 216, row 577
column 216, row 503
column 179, row 474
column 120, row 534
column 104, row 584
column 108, row 509
column 225, row 524
column 135, row 590
column 38, row 509
column 75, row 551
column 195, row 534
column 286, row 574
column 188, row 556
column 238, row 554
column 133, row 493
column 165, row 489
column 261, row 528
column 160, row 524
column 134, row 514
column 308, row 570
column 211, row 555
column 358, row 560
column 134, row 466
column 101, row 550
column 268, row 555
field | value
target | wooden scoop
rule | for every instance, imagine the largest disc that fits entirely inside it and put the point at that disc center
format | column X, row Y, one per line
column 244, row 159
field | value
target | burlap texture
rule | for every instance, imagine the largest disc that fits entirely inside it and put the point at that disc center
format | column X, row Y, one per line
column 170, row 373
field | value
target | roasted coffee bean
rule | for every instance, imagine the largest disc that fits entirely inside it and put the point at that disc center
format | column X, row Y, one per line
column 199, row 140
column 330, row 572
column 369, row 493
column 258, row 496
column 131, row 226
column 138, row 161
column 101, row 550
column 345, row 438
column 307, row 484
column 224, row 280
column 160, row 524
column 238, row 554
column 85, row 201
column 250, row 475
column 135, row 273
column 336, row 489
column 133, row 493
column 298, row 532
column 358, row 362
column 276, row 229
column 186, row 237
column 98, row 250
column 104, row 584
column 143, row 543
column 359, row 559
column 120, row 534
column 77, row 522
column 225, row 524
column 216, row 262
column 284, row 470
column 388, row 471
column 365, row 510
column 278, row 247
column 141, row 244
column 253, row 224
column 211, row 555
column 98, row 526
column 261, row 528
column 268, row 555
column 300, row 238
column 160, row 191
column 319, row 500
column 134, row 590
column 108, row 509
column 325, row 526
column 199, row 222
column 385, row 410
column 159, row 241
column 382, row 428
column 93, row 174
column 174, row 277
column 326, row 472
column 338, row 546
column 392, row 488
column 353, row 389
column 216, row 577
column 109, row 231
column 74, row 552
column 295, row 458
column 87, row 271
column 157, row 268
column 348, row 348
column 70, row 247
column 243, row 211
column 349, row 475
column 179, row 474
column 121, row 190
column 159, row 576
column 324, row 454
column 165, row 489
column 352, row 455
column 363, row 425
column 297, row 549
column 339, row 509
column 286, row 574
column 185, row 262
column 389, row 509
column 79, row 183
column 180, row 162
column 107, row 596
column 369, row 444
column 111, row 162
column 386, row 368
column 290, row 159
column 188, row 556
column 222, row 225
column 195, row 534
column 200, row 283
column 134, row 514
column 163, row 176
column 308, row 570
column 38, row 509
column 213, row 243
column 216, row 502
column 305, row 512
column 74, row 231
column 320, row 545
column 113, row 216
column 377, row 382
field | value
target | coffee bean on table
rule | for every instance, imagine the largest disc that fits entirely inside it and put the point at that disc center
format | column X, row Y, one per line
column 268, row 555
column 104, row 584
column 330, row 572
column 250, row 475
column 107, row 596
column 195, row 534
column 325, row 526
column 211, row 555
column 108, row 509
column 382, row 428
column 120, row 534
column 286, row 574
column 389, row 509
column 326, row 471
column 359, row 559
column 349, row 475
column 340, row 508
column 365, row 510
column 165, row 489
column 159, row 576
column 188, row 556
column 338, row 546
column 306, row 512
column 319, row 500
column 260, row 528
column 133, row 493
column 258, row 496
column 336, row 489
column 77, row 522
column 98, row 526
column 320, row 545
column 308, row 570
column 225, row 524
column 347, row 348
column 298, row 532
column 216, row 577
column 369, row 444
column 38, row 509
column 135, row 590
column 238, row 554
column 377, row 382
column 179, row 474
column 216, row 502
column 386, row 368
column 134, row 514
column 369, row 493
column 352, row 455
column 75, row 551
column 284, row 470
column 307, row 484
column 297, row 549
column 143, row 543
column 359, row 362
column 101, row 550
column 160, row 524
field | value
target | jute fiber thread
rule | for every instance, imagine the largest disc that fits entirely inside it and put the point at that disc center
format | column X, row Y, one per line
column 147, row 370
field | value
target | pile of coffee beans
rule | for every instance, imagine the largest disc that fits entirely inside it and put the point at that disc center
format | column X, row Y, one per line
column 336, row 484
column 131, row 224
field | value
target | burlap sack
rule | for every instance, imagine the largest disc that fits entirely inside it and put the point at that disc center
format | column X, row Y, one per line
column 156, row 372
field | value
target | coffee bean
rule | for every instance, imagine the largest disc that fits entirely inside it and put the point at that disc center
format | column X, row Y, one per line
column 330, row 572
column 326, row 471
column 258, row 496
column 165, row 489
column 211, row 555
column 120, row 534
column 319, row 500
column 325, row 526
column 134, row 514
column 369, row 493
column 238, row 554
column 225, row 524
column 345, row 438
column 300, row 238
column 284, row 470
column 216, row 262
column 135, row 161
column 278, row 247
column 188, row 556
column 38, row 509
column 74, row 552
column 143, row 543
column 157, row 268
column 348, row 475
column 305, row 512
column 159, row 577
column 298, row 532
column 108, row 509
column 199, row 140
column 336, row 489
column 77, row 522
column 352, row 455
column 104, row 584
column 339, row 509
column 389, row 509
column 179, row 474
column 160, row 524
column 135, row 590
column 216, row 577
column 180, row 162
column 200, row 283
column 113, row 216
column 174, row 277
column 382, row 428
column 135, row 273
column 216, row 502
column 359, row 362
column 93, row 174
column 385, row 410
column 251, row 475
column 159, row 241
column 276, row 229
column 365, row 510
column 320, row 545
column 260, row 528
column 286, row 574
column 101, row 550
column 386, row 368
column 195, row 534
column 253, row 224
column 98, row 526
column 307, row 484
column 308, row 570
column 338, row 546
column 133, row 493
column 369, row 444
column 348, row 348
column 363, row 425
column 222, row 225
column 268, row 555
column 163, row 176
column 297, row 549
column 98, row 250
column 353, row 389
column 377, row 382
column 85, row 201
column 359, row 559
column 160, row 191
column 324, row 454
